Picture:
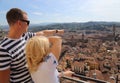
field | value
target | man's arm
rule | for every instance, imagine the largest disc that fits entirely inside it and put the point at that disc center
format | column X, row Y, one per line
column 49, row 32
column 5, row 62
column 5, row 76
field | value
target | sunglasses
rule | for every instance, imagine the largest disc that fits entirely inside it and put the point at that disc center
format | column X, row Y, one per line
column 27, row 21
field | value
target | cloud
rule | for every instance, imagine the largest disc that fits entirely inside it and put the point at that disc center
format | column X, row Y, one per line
column 37, row 13
column 35, row 7
column 103, row 9
column 103, row 6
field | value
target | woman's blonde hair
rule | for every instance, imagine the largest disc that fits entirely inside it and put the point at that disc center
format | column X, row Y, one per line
column 36, row 49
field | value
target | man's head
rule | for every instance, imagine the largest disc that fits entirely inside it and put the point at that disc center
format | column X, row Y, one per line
column 18, row 19
column 15, row 14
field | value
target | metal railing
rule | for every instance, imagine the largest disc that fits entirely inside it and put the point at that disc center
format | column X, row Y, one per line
column 85, row 79
column 73, row 79
column 91, row 79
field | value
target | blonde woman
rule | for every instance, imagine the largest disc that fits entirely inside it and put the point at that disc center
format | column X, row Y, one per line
column 42, row 54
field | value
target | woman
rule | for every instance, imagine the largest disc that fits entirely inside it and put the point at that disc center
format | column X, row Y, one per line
column 42, row 57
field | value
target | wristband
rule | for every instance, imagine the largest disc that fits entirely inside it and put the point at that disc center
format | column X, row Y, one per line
column 56, row 31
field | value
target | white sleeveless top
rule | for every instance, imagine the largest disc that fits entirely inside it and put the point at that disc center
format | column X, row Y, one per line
column 47, row 72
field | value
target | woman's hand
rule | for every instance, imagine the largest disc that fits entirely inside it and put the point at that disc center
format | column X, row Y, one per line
column 66, row 73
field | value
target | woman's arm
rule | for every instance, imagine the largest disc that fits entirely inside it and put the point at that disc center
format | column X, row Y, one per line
column 56, row 43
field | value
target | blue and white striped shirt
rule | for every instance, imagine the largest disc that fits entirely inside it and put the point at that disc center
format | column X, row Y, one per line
column 12, row 55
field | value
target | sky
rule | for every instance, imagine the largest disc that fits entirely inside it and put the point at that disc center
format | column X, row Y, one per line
column 63, row 11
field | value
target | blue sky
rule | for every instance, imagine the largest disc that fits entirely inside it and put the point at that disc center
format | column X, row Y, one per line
column 60, row 11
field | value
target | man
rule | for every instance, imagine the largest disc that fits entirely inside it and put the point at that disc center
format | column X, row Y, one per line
column 12, row 56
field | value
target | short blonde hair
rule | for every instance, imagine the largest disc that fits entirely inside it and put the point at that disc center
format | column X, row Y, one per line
column 36, row 49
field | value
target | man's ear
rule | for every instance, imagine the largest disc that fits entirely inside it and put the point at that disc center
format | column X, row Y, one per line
column 18, row 22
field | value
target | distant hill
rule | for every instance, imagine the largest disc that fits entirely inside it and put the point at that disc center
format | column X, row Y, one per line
column 78, row 26
column 92, row 25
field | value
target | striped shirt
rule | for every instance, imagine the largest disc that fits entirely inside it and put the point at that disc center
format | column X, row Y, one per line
column 12, row 55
